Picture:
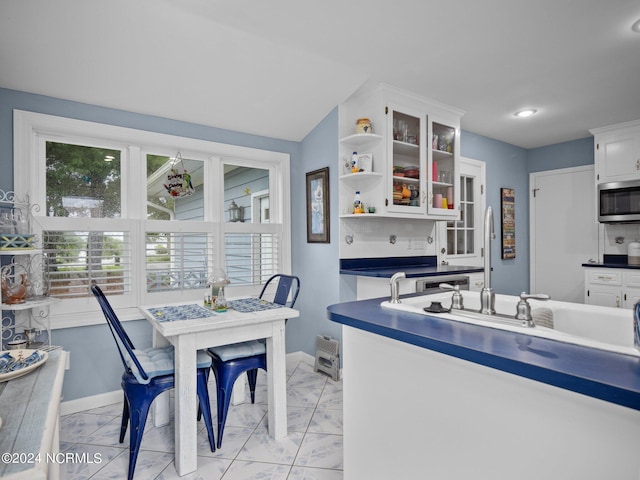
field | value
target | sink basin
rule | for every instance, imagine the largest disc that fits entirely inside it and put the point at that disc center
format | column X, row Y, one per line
column 592, row 326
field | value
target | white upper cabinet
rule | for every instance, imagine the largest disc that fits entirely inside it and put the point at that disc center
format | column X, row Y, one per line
column 414, row 149
column 617, row 152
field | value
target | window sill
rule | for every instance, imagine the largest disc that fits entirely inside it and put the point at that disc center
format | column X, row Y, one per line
column 85, row 319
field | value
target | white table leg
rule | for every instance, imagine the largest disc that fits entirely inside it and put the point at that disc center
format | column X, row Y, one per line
column 161, row 413
column 277, row 382
column 186, row 401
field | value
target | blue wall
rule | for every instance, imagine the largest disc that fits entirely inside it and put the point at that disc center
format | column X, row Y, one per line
column 317, row 262
column 506, row 168
column 561, row 155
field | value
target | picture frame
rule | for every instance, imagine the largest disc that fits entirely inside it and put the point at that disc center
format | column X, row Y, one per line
column 508, row 222
column 318, row 219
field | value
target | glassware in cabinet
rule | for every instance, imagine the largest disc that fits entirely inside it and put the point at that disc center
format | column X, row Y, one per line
column 406, row 164
column 443, row 170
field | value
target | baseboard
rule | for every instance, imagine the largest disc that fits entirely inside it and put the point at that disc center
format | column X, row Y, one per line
column 108, row 398
column 301, row 356
column 93, row 401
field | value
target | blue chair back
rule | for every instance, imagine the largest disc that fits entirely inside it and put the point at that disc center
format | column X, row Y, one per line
column 286, row 284
column 123, row 342
column 636, row 325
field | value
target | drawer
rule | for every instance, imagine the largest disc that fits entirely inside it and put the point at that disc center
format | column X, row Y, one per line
column 604, row 276
column 632, row 278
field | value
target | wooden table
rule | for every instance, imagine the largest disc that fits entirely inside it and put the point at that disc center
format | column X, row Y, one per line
column 29, row 408
column 189, row 335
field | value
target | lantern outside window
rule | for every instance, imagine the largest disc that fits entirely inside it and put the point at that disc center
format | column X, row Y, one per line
column 236, row 213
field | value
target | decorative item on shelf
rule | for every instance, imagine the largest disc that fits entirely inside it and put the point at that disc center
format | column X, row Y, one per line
column 236, row 213
column 179, row 180
column 354, row 162
column 13, row 292
column 14, row 241
column 358, row 206
column 365, row 162
column 412, row 171
column 442, row 143
column 450, row 197
column 415, row 196
column 363, row 125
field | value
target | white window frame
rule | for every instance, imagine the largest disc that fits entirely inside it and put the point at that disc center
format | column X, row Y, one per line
column 466, row 166
column 30, row 179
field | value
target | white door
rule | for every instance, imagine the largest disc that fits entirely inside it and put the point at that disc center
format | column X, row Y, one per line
column 564, row 231
column 460, row 241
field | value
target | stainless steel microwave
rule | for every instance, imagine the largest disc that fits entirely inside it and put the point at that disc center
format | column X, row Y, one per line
column 619, row 202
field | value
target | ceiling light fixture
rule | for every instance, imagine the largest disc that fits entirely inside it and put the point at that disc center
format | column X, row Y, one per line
column 636, row 26
column 525, row 113
column 109, row 158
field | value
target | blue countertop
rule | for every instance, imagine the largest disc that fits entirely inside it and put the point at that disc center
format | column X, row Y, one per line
column 612, row 261
column 608, row 376
column 413, row 267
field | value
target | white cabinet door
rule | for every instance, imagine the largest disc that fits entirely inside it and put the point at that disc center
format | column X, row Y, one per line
column 617, row 152
column 630, row 296
column 604, row 295
column 618, row 157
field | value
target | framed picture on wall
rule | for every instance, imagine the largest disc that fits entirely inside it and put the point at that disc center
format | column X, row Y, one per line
column 508, row 217
column 318, row 206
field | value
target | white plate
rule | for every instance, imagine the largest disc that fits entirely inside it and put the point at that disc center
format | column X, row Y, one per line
column 25, row 353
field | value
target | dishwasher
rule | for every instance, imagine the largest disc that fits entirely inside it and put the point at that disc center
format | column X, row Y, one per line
column 430, row 285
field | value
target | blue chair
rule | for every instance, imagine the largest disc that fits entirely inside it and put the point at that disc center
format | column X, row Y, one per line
column 231, row 361
column 148, row 373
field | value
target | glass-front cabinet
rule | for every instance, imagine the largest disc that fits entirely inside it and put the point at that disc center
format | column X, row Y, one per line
column 422, row 165
column 407, row 165
column 442, row 186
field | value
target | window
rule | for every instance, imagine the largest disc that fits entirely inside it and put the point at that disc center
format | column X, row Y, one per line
column 464, row 236
column 111, row 214
column 251, row 240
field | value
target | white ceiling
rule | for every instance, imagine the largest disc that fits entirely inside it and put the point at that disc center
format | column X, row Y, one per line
column 276, row 68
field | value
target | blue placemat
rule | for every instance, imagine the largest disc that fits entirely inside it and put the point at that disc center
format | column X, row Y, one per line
column 252, row 305
column 180, row 312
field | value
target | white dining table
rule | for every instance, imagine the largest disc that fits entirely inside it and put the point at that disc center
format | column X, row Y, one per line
column 188, row 335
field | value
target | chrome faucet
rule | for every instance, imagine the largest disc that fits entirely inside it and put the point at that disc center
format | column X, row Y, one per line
column 487, row 295
column 523, row 309
column 457, row 302
column 395, row 286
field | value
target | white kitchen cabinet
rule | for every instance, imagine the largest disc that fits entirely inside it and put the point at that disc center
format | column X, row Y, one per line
column 617, row 152
column 612, row 287
column 476, row 281
column 415, row 149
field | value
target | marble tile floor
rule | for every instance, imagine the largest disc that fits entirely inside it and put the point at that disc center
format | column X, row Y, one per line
column 311, row 451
